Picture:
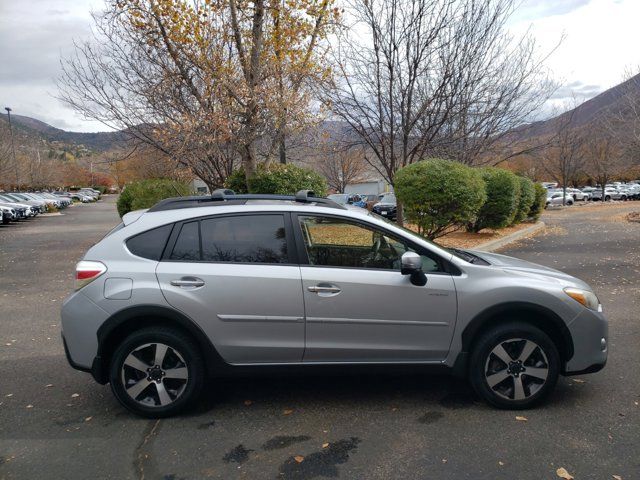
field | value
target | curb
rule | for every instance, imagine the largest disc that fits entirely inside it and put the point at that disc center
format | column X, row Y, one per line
column 493, row 245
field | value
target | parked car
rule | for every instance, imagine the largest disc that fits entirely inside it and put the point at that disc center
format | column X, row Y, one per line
column 8, row 214
column 36, row 206
column 555, row 199
column 192, row 289
column 609, row 194
column 370, row 199
column 21, row 210
column 387, row 206
column 578, row 195
column 348, row 199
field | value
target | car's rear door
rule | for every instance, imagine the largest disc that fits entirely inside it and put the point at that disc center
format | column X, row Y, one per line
column 359, row 307
column 238, row 277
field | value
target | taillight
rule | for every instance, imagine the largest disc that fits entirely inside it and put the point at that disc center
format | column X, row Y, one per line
column 87, row 272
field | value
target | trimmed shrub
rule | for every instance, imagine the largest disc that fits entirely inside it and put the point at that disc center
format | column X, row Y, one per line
column 146, row 193
column 439, row 195
column 502, row 191
column 525, row 201
column 278, row 179
column 539, row 202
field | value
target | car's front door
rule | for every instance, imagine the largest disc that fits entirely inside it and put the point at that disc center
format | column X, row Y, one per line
column 237, row 277
column 359, row 307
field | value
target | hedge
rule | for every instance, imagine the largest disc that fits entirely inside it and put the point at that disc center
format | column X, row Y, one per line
column 278, row 179
column 525, row 201
column 439, row 195
column 146, row 193
column 539, row 202
column 500, row 208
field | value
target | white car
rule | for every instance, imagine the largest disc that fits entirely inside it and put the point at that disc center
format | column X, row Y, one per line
column 578, row 195
column 556, row 199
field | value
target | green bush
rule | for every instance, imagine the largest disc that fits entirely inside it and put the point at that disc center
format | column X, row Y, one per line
column 539, row 202
column 439, row 194
column 502, row 190
column 146, row 193
column 278, row 179
column 100, row 188
column 525, row 201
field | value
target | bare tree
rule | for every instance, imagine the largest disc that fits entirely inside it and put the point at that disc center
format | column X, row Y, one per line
column 564, row 158
column 342, row 166
column 433, row 77
column 602, row 155
column 202, row 82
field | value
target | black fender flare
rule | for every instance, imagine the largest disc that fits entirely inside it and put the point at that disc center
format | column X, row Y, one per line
column 140, row 316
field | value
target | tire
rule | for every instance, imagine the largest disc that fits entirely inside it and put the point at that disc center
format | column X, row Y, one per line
column 514, row 338
column 607, row 198
column 570, row 202
column 171, row 382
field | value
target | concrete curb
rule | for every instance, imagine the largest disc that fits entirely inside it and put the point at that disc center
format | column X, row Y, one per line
column 493, row 245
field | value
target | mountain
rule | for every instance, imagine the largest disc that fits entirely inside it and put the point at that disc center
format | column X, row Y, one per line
column 588, row 113
column 32, row 128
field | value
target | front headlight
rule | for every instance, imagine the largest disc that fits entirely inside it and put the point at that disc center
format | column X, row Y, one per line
column 585, row 297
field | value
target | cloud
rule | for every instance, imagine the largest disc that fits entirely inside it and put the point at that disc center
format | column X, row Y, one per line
column 535, row 9
column 578, row 90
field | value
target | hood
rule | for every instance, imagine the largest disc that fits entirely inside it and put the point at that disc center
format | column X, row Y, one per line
column 529, row 269
column 385, row 204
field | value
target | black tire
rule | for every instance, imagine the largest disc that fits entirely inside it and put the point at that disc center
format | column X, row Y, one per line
column 607, row 198
column 182, row 353
column 503, row 394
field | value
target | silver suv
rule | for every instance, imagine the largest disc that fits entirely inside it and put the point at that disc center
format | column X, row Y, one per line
column 198, row 287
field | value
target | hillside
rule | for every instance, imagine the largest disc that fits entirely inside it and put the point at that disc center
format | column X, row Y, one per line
column 32, row 128
column 587, row 113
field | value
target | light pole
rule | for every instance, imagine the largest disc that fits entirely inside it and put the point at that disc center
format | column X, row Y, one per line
column 13, row 148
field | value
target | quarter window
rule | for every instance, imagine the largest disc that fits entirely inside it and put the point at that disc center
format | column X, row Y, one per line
column 149, row 244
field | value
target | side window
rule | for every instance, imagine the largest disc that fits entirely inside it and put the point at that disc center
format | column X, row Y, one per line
column 149, row 244
column 187, row 246
column 340, row 243
column 245, row 238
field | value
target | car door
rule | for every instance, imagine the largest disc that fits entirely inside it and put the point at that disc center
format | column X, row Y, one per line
column 238, row 277
column 358, row 306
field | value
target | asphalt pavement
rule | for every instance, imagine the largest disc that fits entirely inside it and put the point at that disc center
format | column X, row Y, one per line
column 57, row 423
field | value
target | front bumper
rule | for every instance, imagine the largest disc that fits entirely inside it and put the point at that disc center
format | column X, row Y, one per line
column 590, row 335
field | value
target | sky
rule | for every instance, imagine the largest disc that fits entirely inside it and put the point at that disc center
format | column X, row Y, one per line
column 599, row 44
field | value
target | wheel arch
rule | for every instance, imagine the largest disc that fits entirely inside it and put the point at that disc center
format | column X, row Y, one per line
column 126, row 321
column 537, row 315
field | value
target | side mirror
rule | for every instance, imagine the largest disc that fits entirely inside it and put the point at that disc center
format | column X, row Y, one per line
column 411, row 264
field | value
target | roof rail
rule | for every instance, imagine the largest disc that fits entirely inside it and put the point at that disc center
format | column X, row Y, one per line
column 222, row 197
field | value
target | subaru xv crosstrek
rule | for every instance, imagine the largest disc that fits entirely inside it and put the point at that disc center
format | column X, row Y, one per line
column 200, row 287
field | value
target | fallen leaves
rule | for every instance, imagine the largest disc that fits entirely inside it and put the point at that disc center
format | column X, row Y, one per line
column 75, row 395
column 88, row 419
column 287, row 412
column 578, row 380
column 325, row 445
column 299, row 458
column 247, row 402
column 521, row 419
column 29, row 406
column 562, row 473
column 616, row 477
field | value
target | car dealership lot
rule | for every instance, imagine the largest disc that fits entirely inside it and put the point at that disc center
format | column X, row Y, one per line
column 57, row 423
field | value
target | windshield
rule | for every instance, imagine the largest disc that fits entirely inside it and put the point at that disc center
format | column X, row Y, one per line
column 388, row 198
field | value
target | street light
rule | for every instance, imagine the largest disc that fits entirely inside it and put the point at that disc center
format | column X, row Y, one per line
column 13, row 148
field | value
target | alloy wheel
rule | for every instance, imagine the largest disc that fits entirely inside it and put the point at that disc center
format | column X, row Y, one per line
column 516, row 369
column 154, row 374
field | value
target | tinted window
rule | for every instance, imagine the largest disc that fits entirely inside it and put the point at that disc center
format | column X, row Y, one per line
column 149, row 244
column 246, row 238
column 187, row 247
column 339, row 243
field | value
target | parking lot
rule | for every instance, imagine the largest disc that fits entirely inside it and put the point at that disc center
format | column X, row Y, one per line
column 56, row 422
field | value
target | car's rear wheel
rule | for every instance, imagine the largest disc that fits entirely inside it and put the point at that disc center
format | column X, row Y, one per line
column 514, row 366
column 157, row 372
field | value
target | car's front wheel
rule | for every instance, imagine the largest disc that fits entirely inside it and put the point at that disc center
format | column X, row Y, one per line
column 514, row 366
column 157, row 372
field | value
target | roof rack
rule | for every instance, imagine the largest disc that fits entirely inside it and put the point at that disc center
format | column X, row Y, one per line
column 223, row 196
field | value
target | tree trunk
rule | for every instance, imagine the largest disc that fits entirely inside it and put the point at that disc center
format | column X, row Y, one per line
column 282, row 147
column 248, row 156
column 399, row 213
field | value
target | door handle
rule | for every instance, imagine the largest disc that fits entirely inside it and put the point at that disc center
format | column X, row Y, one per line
column 188, row 282
column 324, row 289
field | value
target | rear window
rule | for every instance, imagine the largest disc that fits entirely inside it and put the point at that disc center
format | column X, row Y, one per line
column 150, row 244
